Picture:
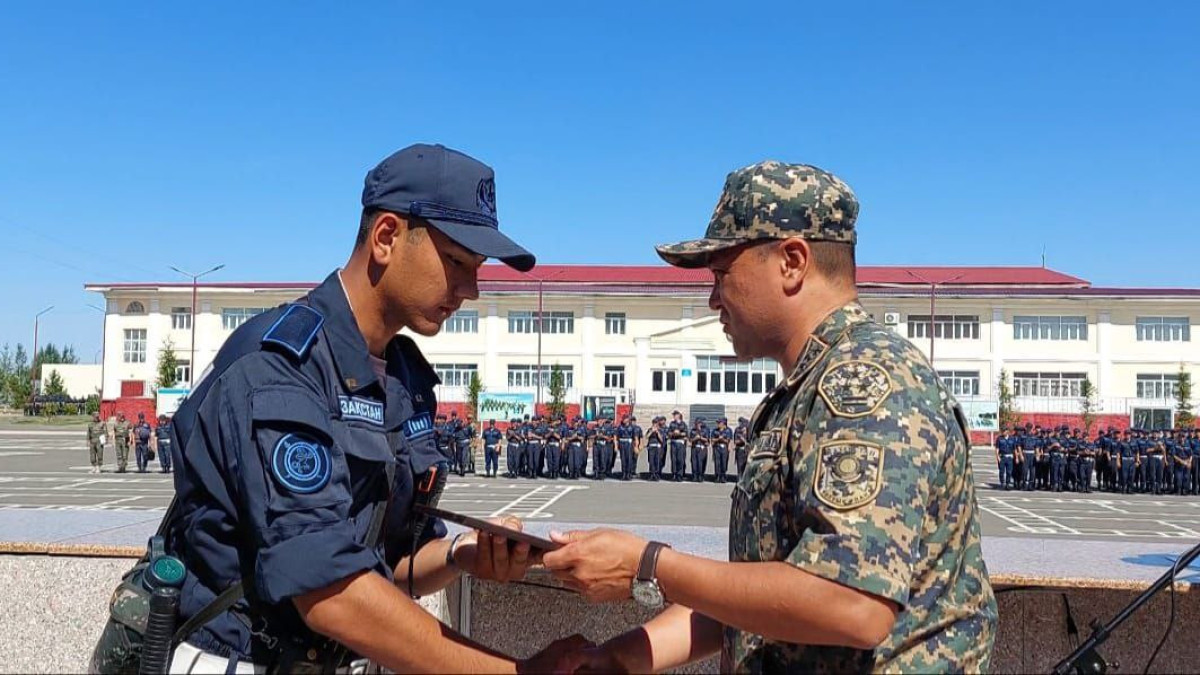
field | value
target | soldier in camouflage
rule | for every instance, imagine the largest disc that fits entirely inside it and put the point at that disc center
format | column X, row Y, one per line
column 96, row 435
column 122, row 432
column 854, row 526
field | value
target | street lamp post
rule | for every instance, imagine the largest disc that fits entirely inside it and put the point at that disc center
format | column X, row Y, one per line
column 538, row 377
column 33, row 364
column 932, row 306
column 192, row 319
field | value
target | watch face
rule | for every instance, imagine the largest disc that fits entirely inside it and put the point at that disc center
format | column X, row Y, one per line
column 647, row 594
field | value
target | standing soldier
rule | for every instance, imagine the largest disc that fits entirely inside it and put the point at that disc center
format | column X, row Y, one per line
column 576, row 449
column 142, row 433
column 1127, row 459
column 121, row 433
column 1005, row 459
column 677, row 432
column 602, row 449
column 655, row 442
column 700, row 439
column 97, row 433
column 553, row 449
column 537, row 446
column 1183, row 467
column 491, row 449
column 464, row 438
column 1087, row 464
column 1154, row 468
column 638, row 439
column 625, row 448
column 1031, row 457
column 1194, row 446
column 741, row 449
column 162, row 443
column 442, row 438
column 1057, row 465
column 721, row 437
column 513, row 450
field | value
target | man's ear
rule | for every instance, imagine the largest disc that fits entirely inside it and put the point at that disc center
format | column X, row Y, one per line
column 384, row 237
column 795, row 262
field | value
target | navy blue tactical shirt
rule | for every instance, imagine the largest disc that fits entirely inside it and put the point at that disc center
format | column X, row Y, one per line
column 281, row 461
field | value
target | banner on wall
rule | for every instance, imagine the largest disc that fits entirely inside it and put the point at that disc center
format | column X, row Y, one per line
column 982, row 414
column 595, row 407
column 504, row 407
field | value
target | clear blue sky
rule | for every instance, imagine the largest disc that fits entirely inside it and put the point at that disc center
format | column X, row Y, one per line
column 134, row 136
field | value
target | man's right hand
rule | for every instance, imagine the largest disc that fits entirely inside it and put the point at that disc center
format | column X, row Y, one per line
column 557, row 656
column 591, row 660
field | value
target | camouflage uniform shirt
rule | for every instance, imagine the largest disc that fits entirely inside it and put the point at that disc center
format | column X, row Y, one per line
column 859, row 473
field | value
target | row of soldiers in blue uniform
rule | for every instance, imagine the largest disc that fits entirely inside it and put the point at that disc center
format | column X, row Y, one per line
column 548, row 447
column 1129, row 461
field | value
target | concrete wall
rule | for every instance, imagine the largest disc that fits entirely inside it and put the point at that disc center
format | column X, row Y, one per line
column 81, row 380
column 55, row 607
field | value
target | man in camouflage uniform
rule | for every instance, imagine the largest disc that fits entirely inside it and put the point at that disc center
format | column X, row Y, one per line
column 122, row 431
column 854, row 526
column 96, row 435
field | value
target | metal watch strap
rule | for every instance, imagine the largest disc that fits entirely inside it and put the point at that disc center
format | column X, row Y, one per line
column 649, row 560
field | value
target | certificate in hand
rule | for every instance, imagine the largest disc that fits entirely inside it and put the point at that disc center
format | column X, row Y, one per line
column 489, row 527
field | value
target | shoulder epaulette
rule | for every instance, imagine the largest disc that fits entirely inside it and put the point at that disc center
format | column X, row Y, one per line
column 295, row 330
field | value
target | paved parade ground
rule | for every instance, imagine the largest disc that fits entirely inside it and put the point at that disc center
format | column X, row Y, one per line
column 46, row 471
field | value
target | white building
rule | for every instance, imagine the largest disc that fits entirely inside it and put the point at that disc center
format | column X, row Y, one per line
column 646, row 334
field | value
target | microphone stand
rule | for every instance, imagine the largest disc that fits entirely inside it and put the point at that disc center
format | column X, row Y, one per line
column 1085, row 660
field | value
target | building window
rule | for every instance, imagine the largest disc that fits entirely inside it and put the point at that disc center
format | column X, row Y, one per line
column 723, row 374
column 462, row 321
column 232, row 317
column 662, row 380
column 614, row 323
column 456, row 374
column 614, row 377
column 553, row 322
column 183, row 372
column 961, row 382
column 1050, row 328
column 945, row 327
column 1157, row 386
column 135, row 307
column 135, row 345
column 181, row 318
column 1049, row 385
column 1163, row 329
column 526, row 376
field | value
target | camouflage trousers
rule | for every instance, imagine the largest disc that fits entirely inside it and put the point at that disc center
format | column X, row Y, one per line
column 122, row 455
column 96, row 454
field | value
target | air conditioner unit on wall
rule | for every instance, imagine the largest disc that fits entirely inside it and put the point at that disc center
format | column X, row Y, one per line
column 891, row 318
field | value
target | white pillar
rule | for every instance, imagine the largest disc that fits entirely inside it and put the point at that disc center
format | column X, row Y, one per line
column 997, row 337
column 641, row 379
column 1103, row 353
column 492, row 378
column 587, row 379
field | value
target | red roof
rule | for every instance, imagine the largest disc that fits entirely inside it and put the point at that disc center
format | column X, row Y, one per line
column 498, row 277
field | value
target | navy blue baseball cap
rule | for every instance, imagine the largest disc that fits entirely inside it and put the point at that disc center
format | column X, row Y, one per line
column 453, row 192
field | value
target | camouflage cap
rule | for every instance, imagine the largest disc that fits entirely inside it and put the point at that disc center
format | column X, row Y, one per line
column 772, row 200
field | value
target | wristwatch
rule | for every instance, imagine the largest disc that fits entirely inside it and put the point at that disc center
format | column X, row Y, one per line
column 646, row 590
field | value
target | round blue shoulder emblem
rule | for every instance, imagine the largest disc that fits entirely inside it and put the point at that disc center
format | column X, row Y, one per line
column 300, row 463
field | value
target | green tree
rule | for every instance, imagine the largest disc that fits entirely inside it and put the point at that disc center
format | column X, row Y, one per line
column 558, row 392
column 1088, row 405
column 17, row 384
column 167, row 365
column 474, row 389
column 1184, row 418
column 1008, row 412
column 54, row 384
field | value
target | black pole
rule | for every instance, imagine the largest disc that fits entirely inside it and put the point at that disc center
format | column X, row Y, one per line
column 1085, row 659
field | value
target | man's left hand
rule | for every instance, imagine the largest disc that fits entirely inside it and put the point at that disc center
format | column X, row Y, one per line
column 495, row 558
column 599, row 564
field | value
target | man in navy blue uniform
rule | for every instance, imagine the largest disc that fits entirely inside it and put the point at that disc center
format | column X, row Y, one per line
column 162, row 443
column 491, row 449
column 677, row 433
column 721, row 438
column 625, row 448
column 656, row 441
column 741, row 449
column 142, row 433
column 699, row 439
column 514, row 445
column 315, row 419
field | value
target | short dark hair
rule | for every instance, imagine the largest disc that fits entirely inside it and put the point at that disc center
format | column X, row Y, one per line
column 835, row 261
column 364, row 225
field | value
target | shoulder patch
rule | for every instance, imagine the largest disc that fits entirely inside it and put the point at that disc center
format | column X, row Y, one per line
column 301, row 463
column 855, row 388
column 849, row 473
column 295, row 329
